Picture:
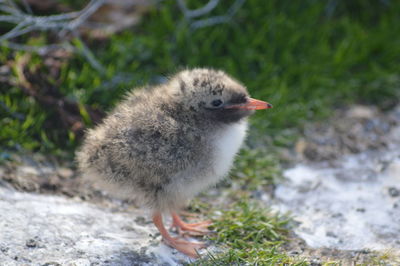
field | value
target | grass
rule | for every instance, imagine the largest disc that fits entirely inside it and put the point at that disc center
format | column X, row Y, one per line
column 305, row 57
column 249, row 234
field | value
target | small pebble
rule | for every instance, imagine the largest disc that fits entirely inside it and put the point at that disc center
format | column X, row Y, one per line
column 394, row 192
column 31, row 243
column 65, row 172
column 51, row 263
column 4, row 249
column 140, row 220
column 331, row 234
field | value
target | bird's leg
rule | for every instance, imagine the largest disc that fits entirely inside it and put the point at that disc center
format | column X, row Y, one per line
column 188, row 214
column 186, row 247
column 191, row 229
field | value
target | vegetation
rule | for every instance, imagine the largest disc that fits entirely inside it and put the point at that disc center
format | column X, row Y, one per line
column 249, row 234
column 305, row 57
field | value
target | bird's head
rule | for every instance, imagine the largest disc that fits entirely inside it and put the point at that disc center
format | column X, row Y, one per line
column 213, row 95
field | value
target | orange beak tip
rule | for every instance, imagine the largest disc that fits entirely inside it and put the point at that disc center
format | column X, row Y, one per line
column 252, row 104
column 255, row 104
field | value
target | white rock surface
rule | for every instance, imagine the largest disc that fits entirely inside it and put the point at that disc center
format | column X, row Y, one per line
column 53, row 230
column 351, row 203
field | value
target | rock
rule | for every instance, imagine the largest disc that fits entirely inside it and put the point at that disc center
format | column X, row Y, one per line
column 361, row 112
column 31, row 243
column 27, row 170
column 65, row 172
column 394, row 192
column 345, row 191
column 331, row 234
column 52, row 230
column 357, row 130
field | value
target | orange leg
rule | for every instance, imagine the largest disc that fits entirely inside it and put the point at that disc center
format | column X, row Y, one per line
column 186, row 247
column 192, row 229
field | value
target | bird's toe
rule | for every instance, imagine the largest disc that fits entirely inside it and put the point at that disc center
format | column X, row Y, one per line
column 186, row 247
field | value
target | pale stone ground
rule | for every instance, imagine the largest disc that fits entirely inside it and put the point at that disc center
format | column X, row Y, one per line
column 350, row 198
column 53, row 230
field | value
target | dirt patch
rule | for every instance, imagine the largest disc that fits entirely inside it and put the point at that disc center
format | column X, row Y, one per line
column 349, row 131
column 41, row 174
column 297, row 247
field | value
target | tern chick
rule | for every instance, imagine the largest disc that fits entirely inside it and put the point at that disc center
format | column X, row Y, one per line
column 164, row 144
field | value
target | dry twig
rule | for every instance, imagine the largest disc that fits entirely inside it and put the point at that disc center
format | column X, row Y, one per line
column 193, row 15
column 66, row 25
column 61, row 24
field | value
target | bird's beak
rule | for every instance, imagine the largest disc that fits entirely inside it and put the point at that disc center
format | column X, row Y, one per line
column 252, row 104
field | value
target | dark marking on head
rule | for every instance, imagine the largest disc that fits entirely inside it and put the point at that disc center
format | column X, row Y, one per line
column 239, row 98
column 219, row 88
column 202, row 103
column 195, row 82
column 192, row 108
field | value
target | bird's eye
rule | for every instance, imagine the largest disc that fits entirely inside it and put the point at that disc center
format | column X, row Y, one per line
column 217, row 103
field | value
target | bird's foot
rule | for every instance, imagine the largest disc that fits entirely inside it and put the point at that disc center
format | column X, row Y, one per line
column 186, row 247
column 193, row 229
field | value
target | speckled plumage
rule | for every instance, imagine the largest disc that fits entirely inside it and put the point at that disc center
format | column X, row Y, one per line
column 161, row 145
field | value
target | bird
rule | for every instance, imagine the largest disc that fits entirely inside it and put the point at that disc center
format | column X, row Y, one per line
column 163, row 144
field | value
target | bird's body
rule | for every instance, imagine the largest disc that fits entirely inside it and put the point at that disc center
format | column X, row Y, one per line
column 163, row 145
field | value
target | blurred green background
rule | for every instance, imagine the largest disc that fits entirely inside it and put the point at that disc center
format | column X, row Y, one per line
column 305, row 57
